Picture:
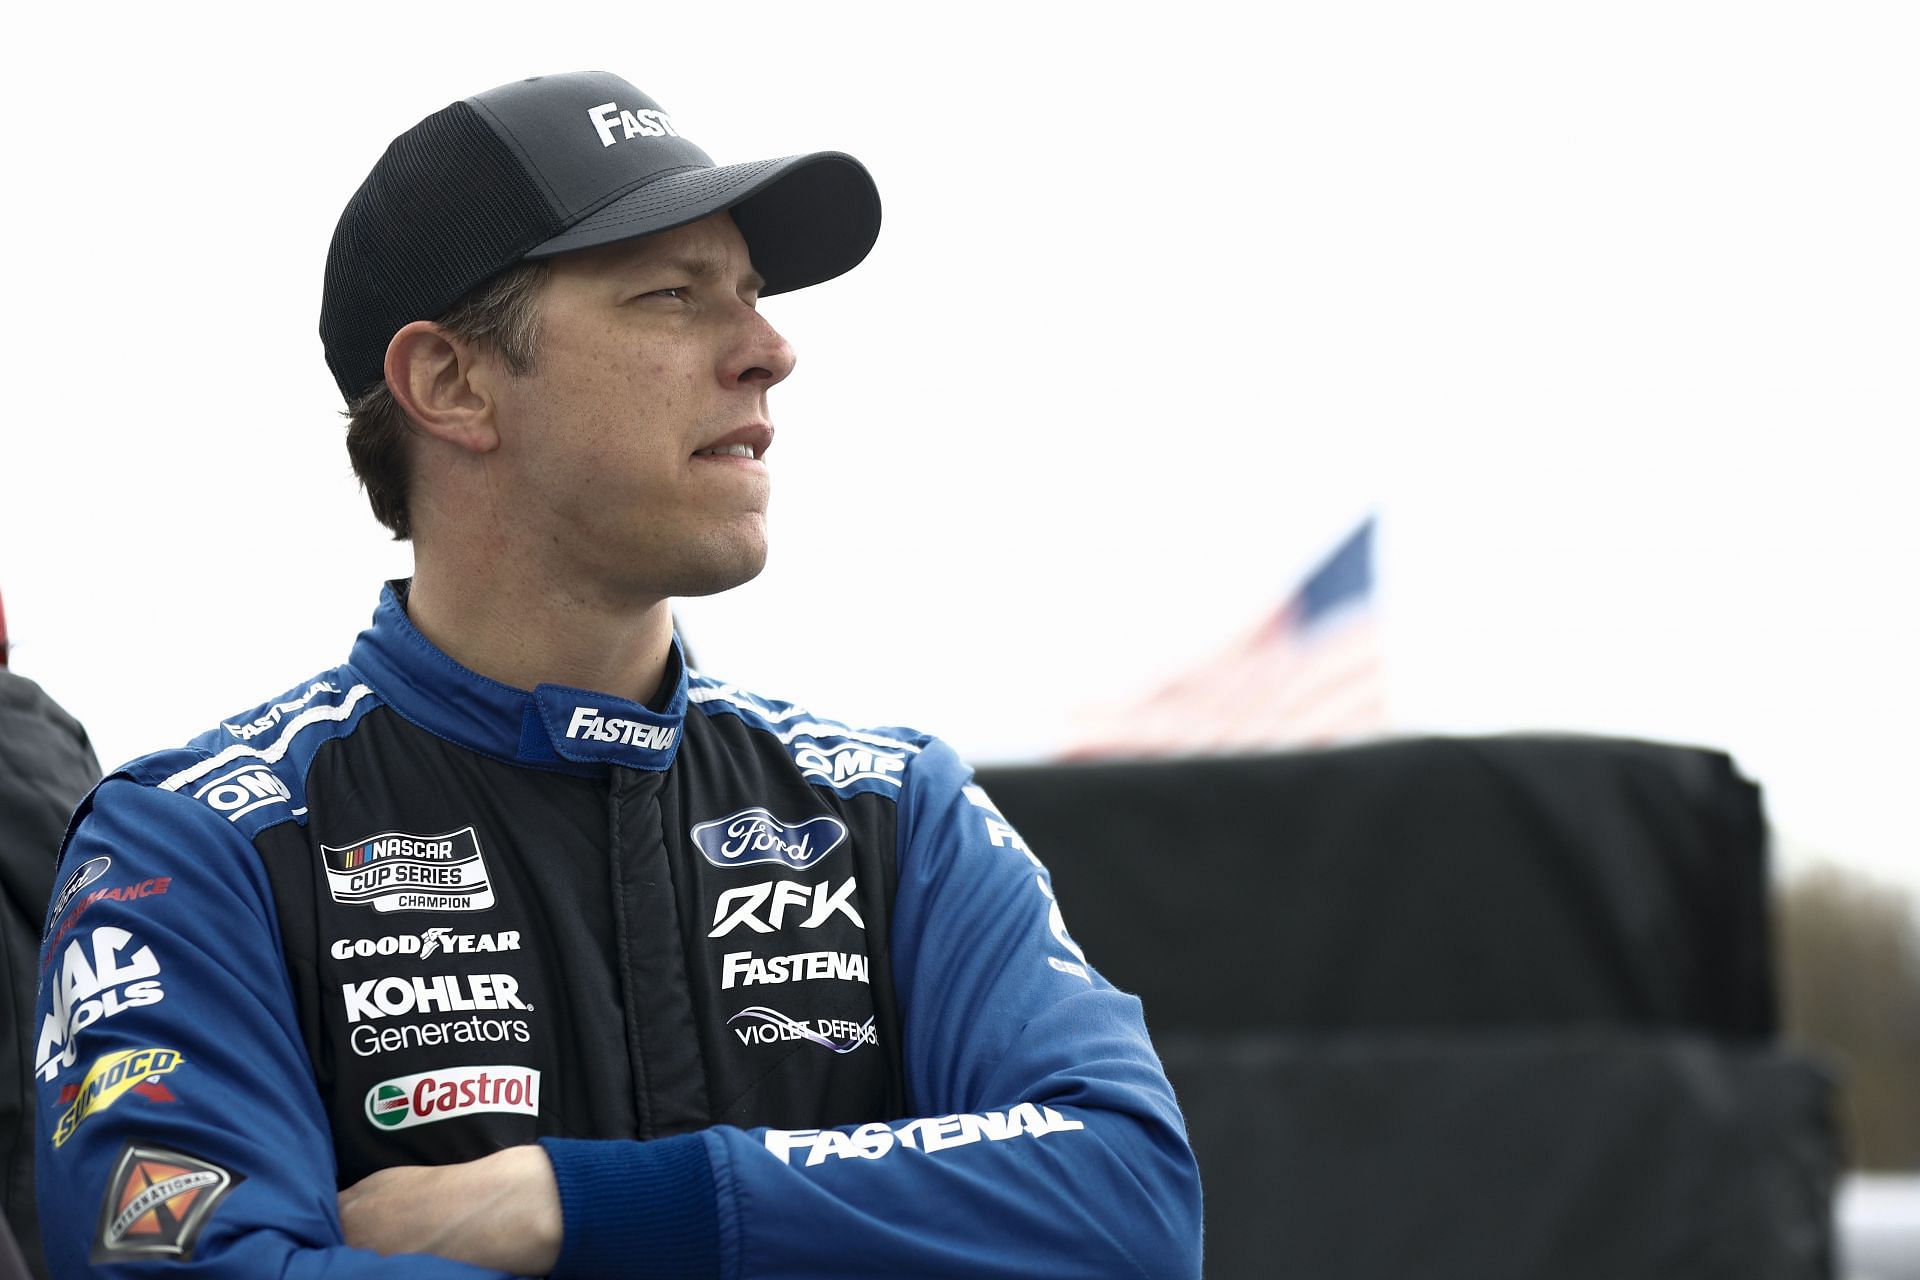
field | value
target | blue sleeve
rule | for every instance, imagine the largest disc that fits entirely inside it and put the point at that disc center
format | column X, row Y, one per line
column 178, row 1120
column 1047, row 1141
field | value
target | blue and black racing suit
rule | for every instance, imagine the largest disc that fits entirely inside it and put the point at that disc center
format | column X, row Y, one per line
column 777, row 996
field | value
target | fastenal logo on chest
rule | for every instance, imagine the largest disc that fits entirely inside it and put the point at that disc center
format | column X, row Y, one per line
column 395, row 871
column 755, row 835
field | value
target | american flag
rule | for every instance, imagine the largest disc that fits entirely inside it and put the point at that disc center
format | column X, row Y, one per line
column 1309, row 674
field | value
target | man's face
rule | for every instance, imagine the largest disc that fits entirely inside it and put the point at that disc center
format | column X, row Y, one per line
column 631, row 454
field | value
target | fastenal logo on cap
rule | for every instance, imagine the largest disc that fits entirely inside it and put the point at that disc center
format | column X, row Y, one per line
column 644, row 123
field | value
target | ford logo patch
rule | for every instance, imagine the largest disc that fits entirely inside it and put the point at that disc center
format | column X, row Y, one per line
column 755, row 835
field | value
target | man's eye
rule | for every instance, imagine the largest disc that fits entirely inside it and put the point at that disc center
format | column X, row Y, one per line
column 678, row 291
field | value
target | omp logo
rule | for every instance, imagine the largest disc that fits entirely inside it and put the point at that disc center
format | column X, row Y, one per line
column 426, row 943
column 642, row 124
column 589, row 725
column 744, row 969
column 260, row 724
column 438, row 993
column 770, row 1026
column 743, row 906
column 849, row 763
column 935, row 1133
column 406, row 1101
column 241, row 791
column 395, row 871
column 156, row 1203
column 83, row 875
column 110, row 1079
column 755, row 835
column 95, row 981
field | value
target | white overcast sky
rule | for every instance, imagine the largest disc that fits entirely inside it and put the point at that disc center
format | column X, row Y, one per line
column 1610, row 311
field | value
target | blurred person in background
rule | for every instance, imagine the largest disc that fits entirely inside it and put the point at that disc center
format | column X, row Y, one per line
column 46, row 766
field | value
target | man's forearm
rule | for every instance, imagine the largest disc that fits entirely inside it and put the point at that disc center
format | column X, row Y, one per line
column 500, row 1211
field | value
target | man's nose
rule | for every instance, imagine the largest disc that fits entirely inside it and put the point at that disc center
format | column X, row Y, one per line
column 763, row 357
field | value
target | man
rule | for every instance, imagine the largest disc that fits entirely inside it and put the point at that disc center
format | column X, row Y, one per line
column 558, row 957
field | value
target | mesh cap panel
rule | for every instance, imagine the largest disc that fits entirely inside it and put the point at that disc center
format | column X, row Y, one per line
column 444, row 208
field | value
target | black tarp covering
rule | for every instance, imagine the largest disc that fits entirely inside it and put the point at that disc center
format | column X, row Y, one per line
column 1461, row 1009
column 1439, row 883
column 1507, row 1157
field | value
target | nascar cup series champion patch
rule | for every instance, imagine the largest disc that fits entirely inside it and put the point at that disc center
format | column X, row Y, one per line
column 398, row 871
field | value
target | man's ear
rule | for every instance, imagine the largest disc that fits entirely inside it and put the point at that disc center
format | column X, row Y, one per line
column 432, row 373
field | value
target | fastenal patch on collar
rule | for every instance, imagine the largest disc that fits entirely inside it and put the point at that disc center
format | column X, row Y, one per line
column 597, row 728
column 156, row 1204
column 755, row 835
column 398, row 871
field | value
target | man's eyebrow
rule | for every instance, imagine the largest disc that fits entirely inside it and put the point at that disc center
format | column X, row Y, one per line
column 705, row 267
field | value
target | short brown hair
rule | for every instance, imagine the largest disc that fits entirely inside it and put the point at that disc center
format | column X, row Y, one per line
column 502, row 315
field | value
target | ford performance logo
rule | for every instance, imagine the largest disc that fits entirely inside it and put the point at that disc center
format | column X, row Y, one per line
column 755, row 835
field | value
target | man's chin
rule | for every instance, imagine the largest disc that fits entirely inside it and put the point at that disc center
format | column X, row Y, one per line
column 713, row 586
column 722, row 571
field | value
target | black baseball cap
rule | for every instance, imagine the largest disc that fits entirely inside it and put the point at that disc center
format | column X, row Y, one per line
column 553, row 164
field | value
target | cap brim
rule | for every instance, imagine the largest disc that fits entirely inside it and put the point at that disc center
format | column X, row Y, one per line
column 805, row 218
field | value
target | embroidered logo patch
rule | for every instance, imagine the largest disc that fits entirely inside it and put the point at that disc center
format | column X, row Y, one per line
column 111, row 1078
column 755, row 836
column 83, row 875
column 395, row 871
column 157, row 1203
column 446, row 1094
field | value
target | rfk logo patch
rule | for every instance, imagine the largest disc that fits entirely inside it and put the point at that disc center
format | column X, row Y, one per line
column 157, row 1203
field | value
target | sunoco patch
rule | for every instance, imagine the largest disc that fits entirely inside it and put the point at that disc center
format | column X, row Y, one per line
column 112, row 1077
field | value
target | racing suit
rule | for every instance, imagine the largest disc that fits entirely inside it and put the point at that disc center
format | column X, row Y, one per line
column 808, row 978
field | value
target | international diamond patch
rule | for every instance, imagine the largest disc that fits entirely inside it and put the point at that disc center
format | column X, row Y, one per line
column 157, row 1203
